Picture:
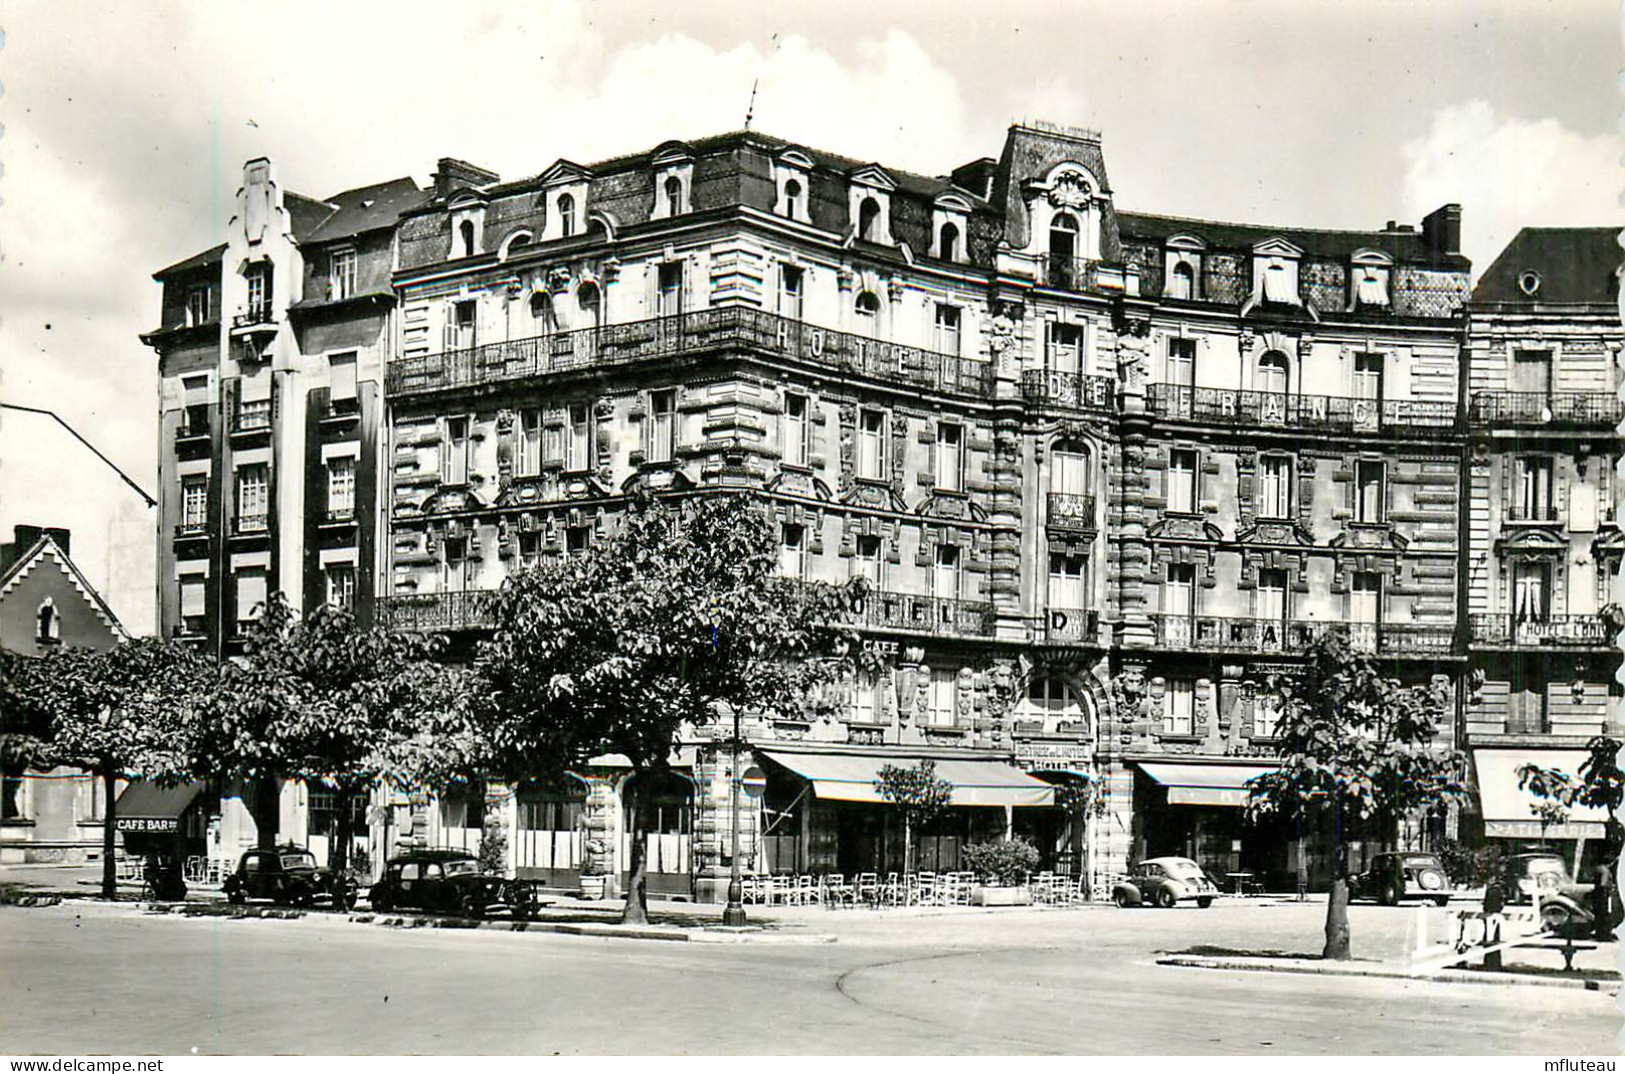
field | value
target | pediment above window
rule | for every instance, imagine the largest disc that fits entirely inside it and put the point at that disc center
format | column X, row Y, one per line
column 1370, row 537
column 1277, row 247
column 872, row 175
column 1184, row 528
column 564, row 171
column 1519, row 541
column 1282, row 531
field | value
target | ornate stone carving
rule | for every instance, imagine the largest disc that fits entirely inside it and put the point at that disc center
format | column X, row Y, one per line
column 1070, row 190
column 558, row 279
column 1133, row 355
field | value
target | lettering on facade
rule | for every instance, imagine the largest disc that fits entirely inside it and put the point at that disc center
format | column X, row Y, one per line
column 148, row 824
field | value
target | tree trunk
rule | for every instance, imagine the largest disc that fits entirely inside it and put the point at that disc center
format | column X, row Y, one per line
column 109, row 833
column 338, row 857
column 266, row 810
column 636, row 911
column 908, row 842
column 1337, row 905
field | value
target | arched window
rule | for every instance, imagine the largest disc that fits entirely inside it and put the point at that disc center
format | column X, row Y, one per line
column 1069, row 471
column 466, row 230
column 47, row 621
column 1182, row 284
column 869, row 220
column 591, row 303
column 567, row 215
column 1274, row 375
column 674, row 196
column 792, row 196
column 542, row 317
column 948, row 242
column 868, row 305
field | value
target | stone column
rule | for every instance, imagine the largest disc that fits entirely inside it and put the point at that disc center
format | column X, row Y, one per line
column 600, row 852
column 713, row 822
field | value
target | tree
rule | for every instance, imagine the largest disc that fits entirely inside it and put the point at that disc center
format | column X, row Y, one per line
column 620, row 647
column 118, row 713
column 1601, row 785
column 917, row 793
column 1359, row 748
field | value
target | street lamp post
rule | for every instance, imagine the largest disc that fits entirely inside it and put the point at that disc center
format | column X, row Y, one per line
column 734, row 913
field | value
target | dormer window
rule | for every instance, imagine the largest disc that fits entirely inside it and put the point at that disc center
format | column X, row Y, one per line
column 869, row 220
column 674, row 195
column 1369, row 273
column 343, row 274
column 792, row 186
column 465, row 233
column 1063, row 238
column 948, row 242
column 1275, row 273
column 792, row 200
column 567, row 216
column 673, row 181
column 1279, row 284
column 1182, row 267
column 1182, row 284
column 197, row 306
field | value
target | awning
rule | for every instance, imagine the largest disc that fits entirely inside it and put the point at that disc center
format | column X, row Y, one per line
column 1508, row 812
column 850, row 777
column 148, row 807
column 1206, row 784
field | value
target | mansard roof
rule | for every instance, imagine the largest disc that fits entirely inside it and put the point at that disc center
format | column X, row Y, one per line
column 1407, row 246
column 1574, row 265
column 367, row 208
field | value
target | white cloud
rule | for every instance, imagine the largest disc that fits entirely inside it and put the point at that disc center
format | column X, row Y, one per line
column 1509, row 173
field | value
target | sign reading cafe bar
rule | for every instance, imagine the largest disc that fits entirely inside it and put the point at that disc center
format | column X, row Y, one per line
column 148, row 824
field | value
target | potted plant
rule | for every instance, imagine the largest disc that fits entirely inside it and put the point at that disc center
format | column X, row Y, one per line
column 1004, row 865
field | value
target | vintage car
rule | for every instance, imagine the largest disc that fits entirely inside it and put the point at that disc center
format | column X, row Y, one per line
column 289, row 876
column 1164, row 882
column 1522, row 876
column 450, row 882
column 1393, row 877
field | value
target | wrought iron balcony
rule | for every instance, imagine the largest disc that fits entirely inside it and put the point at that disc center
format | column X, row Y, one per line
column 254, row 316
column 192, row 529
column 1070, row 512
column 1309, row 413
column 1207, row 633
column 1074, row 391
column 926, row 614
column 254, row 523
column 1519, row 511
column 1070, row 626
column 252, row 416
column 1554, row 631
column 464, row 609
column 730, row 327
column 1562, row 410
column 1082, row 275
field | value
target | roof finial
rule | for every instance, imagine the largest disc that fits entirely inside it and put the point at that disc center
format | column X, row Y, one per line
column 750, row 109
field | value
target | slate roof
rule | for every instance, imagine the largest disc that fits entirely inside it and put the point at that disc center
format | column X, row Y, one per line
column 367, row 208
column 1409, row 246
column 25, row 563
column 1576, row 265
column 213, row 254
column 305, row 213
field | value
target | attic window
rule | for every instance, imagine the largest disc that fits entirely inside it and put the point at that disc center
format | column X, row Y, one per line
column 567, row 215
column 465, row 230
column 1529, row 282
column 948, row 242
column 674, row 196
column 869, row 220
column 1371, row 287
column 48, row 623
column 1182, row 284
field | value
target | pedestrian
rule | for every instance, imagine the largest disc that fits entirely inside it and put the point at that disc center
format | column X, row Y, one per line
column 1602, row 909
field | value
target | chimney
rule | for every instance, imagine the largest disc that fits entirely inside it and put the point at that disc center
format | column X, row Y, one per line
column 452, row 173
column 1442, row 230
column 25, row 537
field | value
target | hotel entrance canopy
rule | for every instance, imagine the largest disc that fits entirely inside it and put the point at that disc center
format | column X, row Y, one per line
column 1205, row 784
column 850, row 777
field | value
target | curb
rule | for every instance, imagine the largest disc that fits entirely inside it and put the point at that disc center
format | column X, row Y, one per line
column 13, row 898
column 1504, row 979
column 716, row 935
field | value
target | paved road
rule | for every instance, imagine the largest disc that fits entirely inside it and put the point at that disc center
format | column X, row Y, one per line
column 98, row 979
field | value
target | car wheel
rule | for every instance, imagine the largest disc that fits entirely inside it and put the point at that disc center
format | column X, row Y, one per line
column 471, row 906
column 379, row 901
column 1555, row 918
column 1121, row 899
column 1204, row 903
column 236, row 897
column 344, row 898
column 1166, row 900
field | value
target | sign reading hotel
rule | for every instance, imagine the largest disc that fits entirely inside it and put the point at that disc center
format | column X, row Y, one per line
column 1049, row 756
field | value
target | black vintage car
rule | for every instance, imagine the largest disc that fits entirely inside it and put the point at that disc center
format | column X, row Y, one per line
column 450, row 882
column 1394, row 877
column 289, row 876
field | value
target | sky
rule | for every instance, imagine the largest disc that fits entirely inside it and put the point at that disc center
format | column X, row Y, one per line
column 125, row 126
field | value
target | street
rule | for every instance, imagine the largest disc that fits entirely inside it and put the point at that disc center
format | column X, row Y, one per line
column 84, row 978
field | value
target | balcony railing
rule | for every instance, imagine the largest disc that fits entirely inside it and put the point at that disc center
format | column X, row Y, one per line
column 1208, row 633
column 1075, row 391
column 252, row 416
column 701, row 330
column 256, row 523
column 1531, row 512
column 467, row 609
column 253, row 315
column 1082, row 275
column 192, row 529
column 1070, row 625
column 1071, row 512
column 928, row 615
column 1573, row 410
column 1311, row 413
column 1555, row 631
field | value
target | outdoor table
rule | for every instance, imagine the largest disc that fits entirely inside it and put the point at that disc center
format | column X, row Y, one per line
column 1240, row 880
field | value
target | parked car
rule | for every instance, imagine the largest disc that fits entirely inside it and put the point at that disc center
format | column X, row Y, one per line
column 1393, row 877
column 1165, row 882
column 450, row 882
column 1523, row 875
column 289, row 876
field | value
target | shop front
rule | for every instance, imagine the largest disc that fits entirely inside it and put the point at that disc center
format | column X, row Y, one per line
column 824, row 815
column 1509, row 816
column 172, row 822
column 1199, row 811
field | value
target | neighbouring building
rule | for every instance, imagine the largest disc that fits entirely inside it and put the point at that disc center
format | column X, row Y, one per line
column 46, row 603
column 1543, row 343
column 1107, row 472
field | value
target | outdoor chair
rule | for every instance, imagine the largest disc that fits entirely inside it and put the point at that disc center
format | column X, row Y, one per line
column 807, row 892
column 836, row 891
column 868, row 888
